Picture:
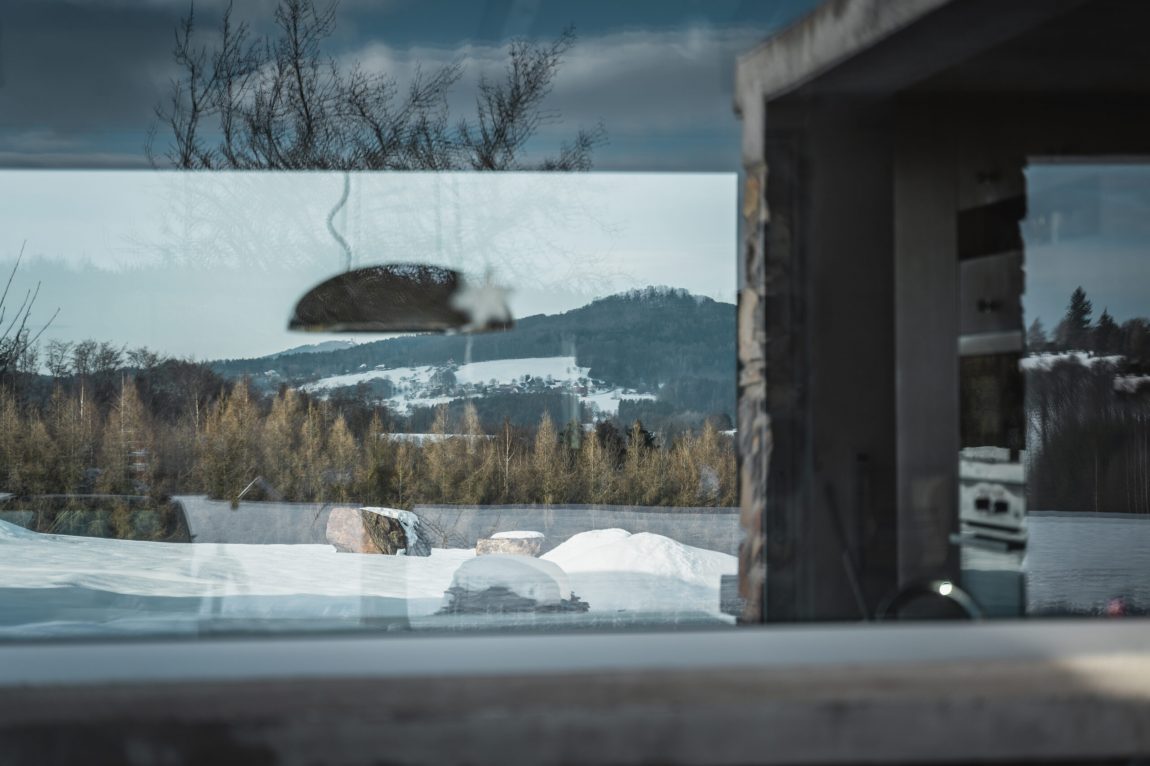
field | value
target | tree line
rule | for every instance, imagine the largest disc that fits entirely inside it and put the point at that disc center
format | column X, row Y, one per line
column 165, row 427
column 1089, row 424
column 1077, row 331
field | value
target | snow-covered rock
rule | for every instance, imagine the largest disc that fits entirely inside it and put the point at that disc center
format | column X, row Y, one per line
column 514, row 543
column 543, row 581
column 495, row 584
column 517, row 535
column 418, row 540
column 389, row 531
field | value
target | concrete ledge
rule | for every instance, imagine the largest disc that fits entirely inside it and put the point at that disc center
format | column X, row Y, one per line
column 1091, row 708
column 895, row 694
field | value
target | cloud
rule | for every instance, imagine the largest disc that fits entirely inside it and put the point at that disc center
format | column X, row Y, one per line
column 78, row 70
column 88, row 160
column 83, row 78
column 634, row 81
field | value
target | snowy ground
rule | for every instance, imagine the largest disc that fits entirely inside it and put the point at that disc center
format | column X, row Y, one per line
column 607, row 402
column 1084, row 358
column 412, row 383
column 59, row 586
column 561, row 369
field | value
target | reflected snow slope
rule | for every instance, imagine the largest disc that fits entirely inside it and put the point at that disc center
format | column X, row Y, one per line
column 76, row 586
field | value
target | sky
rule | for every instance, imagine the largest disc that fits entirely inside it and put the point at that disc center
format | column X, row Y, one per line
column 210, row 265
column 79, row 79
column 1103, row 242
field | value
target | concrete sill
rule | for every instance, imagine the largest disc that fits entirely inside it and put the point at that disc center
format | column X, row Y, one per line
column 895, row 694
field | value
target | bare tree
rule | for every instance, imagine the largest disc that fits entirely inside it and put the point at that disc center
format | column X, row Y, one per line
column 83, row 355
column 107, row 359
column 17, row 337
column 143, row 358
column 281, row 103
column 58, row 357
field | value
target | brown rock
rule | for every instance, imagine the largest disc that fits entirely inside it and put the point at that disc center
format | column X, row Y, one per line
column 353, row 530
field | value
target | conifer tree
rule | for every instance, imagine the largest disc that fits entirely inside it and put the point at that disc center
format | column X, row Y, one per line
column 228, row 450
column 441, row 463
column 312, row 465
column 280, row 442
column 406, row 476
column 1074, row 330
column 378, row 462
column 38, row 457
column 714, row 480
column 476, row 459
column 73, row 441
column 597, row 469
column 550, row 479
column 1036, row 340
column 11, row 439
column 343, row 457
column 127, row 450
column 641, row 461
column 1107, row 335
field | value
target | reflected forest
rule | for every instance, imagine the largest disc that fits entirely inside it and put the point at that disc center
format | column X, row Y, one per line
column 110, row 422
column 1088, row 412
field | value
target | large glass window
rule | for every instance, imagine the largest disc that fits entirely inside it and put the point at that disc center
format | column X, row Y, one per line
column 175, row 460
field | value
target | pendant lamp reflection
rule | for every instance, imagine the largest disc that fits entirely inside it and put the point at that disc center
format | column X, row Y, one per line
column 399, row 297
column 402, row 297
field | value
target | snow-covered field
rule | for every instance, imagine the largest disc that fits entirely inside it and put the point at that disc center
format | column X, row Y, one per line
column 412, row 384
column 561, row 369
column 607, row 402
column 401, row 377
column 57, row 586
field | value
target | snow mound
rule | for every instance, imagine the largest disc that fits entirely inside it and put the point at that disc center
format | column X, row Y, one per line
column 543, row 581
column 9, row 531
column 1130, row 384
column 617, row 550
column 517, row 535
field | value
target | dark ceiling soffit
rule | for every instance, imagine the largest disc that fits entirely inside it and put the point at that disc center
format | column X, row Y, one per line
column 940, row 39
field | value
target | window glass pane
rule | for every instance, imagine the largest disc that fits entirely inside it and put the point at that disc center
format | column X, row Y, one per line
column 1088, row 388
column 177, row 461
column 173, row 456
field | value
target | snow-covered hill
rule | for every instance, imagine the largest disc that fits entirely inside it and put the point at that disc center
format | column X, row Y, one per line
column 430, row 385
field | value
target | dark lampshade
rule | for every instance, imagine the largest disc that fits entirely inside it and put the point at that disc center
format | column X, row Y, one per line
column 400, row 297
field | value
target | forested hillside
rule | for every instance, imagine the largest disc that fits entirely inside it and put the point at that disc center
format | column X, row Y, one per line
column 638, row 339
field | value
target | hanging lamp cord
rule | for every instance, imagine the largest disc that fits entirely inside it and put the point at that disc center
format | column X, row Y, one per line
column 331, row 220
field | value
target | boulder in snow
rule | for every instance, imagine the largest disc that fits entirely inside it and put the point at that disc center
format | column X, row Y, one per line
column 376, row 530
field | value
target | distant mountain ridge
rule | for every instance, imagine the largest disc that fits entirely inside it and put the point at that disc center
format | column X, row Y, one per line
column 658, row 340
column 637, row 338
column 316, row 348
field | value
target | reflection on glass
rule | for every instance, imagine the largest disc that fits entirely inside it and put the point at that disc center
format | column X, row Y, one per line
column 1087, row 373
column 173, row 460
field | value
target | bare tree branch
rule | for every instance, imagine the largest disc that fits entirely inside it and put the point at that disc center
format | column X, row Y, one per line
column 17, row 340
column 280, row 103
